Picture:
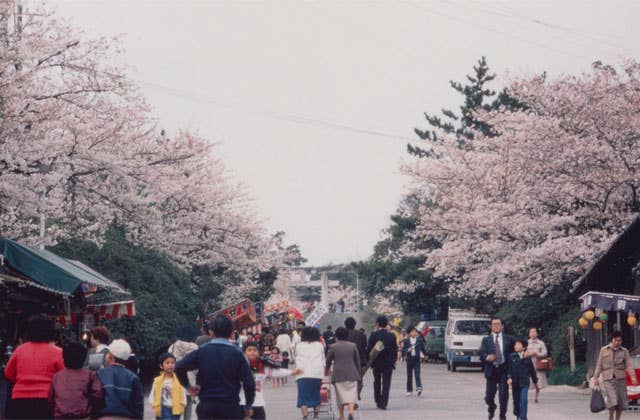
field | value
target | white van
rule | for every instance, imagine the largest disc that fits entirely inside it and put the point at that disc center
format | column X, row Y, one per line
column 463, row 337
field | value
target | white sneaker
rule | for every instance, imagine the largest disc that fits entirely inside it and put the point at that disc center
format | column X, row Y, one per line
column 419, row 392
column 408, row 394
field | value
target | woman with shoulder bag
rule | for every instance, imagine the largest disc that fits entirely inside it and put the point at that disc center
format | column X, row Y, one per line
column 537, row 349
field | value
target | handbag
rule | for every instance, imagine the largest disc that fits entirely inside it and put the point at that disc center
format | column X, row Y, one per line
column 597, row 401
column 544, row 364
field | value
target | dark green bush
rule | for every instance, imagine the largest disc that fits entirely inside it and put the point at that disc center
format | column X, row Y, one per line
column 562, row 375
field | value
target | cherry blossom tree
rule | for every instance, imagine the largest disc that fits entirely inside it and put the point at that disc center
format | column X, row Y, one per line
column 347, row 294
column 518, row 213
column 80, row 151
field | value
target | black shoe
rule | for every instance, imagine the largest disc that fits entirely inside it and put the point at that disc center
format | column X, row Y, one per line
column 350, row 417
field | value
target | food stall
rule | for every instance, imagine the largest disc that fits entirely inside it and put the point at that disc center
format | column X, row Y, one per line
column 243, row 315
column 282, row 315
column 605, row 312
column 34, row 280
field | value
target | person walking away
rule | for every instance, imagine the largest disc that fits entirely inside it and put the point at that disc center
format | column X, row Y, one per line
column 310, row 362
column 222, row 370
column 96, row 356
column 123, row 394
column 329, row 338
column 537, row 349
column 167, row 398
column 285, row 365
column 262, row 369
column 412, row 348
column 612, row 363
column 521, row 370
column 495, row 351
column 267, row 339
column 403, row 335
column 277, row 360
column 283, row 341
column 346, row 371
column 385, row 363
column 242, row 338
column 180, row 349
column 206, row 337
column 31, row 368
column 75, row 392
column 358, row 338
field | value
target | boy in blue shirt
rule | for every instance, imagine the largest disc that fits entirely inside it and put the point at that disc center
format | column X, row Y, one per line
column 520, row 370
column 123, row 394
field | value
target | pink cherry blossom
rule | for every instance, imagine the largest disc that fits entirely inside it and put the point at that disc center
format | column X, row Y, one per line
column 531, row 208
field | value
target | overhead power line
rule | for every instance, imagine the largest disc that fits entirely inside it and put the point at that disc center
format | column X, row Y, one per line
column 288, row 117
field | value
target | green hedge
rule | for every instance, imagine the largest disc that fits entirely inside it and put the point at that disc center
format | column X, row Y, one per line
column 562, row 375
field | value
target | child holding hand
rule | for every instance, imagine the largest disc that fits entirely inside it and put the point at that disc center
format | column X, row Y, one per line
column 521, row 369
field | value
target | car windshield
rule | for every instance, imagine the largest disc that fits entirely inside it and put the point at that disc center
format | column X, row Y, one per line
column 472, row 327
column 436, row 331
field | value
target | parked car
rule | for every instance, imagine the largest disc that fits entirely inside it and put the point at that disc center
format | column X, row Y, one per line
column 433, row 333
column 462, row 338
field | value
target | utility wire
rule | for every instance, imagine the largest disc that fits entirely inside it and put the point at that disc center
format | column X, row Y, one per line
column 580, row 37
column 292, row 118
column 508, row 35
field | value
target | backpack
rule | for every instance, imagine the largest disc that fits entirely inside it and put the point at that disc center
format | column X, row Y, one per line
column 97, row 360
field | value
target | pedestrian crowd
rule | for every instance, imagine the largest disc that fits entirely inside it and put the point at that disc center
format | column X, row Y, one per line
column 225, row 372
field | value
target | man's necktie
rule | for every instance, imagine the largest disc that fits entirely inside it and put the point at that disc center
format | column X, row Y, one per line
column 498, row 350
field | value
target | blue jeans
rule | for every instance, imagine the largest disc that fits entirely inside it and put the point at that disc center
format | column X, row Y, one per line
column 413, row 368
column 520, row 395
column 167, row 414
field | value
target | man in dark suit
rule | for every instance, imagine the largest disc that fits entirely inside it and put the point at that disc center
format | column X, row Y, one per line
column 495, row 352
column 384, row 364
column 360, row 340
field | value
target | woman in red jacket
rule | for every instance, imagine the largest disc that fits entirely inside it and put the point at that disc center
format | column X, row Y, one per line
column 31, row 368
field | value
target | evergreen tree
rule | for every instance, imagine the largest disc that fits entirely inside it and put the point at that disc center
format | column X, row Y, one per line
column 464, row 124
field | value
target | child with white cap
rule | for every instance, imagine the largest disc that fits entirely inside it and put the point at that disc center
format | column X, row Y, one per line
column 123, row 394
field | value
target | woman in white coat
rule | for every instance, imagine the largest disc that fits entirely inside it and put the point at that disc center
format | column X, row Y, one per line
column 310, row 361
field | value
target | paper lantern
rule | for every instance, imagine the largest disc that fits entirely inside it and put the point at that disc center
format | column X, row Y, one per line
column 604, row 317
column 583, row 322
column 631, row 321
column 597, row 325
column 589, row 315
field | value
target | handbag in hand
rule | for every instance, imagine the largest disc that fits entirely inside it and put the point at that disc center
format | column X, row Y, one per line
column 597, row 401
column 544, row 364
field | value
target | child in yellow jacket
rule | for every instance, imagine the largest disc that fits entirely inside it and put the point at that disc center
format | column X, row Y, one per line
column 167, row 398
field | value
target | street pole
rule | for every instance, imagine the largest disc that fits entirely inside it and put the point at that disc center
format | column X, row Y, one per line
column 357, row 292
column 572, row 349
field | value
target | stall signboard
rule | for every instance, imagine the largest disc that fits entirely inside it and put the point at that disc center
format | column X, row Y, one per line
column 314, row 317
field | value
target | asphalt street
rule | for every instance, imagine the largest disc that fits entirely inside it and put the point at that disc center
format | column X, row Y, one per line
column 446, row 396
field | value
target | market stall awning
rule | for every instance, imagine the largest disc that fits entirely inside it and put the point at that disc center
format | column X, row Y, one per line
column 610, row 302
column 51, row 270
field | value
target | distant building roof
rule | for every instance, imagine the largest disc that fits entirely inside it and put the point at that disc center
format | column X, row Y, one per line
column 611, row 272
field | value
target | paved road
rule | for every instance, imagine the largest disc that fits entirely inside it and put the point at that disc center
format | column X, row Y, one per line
column 447, row 396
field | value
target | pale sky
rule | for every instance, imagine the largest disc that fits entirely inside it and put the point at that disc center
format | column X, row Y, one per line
column 313, row 102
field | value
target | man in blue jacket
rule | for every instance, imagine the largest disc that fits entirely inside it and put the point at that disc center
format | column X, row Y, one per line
column 222, row 367
column 495, row 353
column 123, row 394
